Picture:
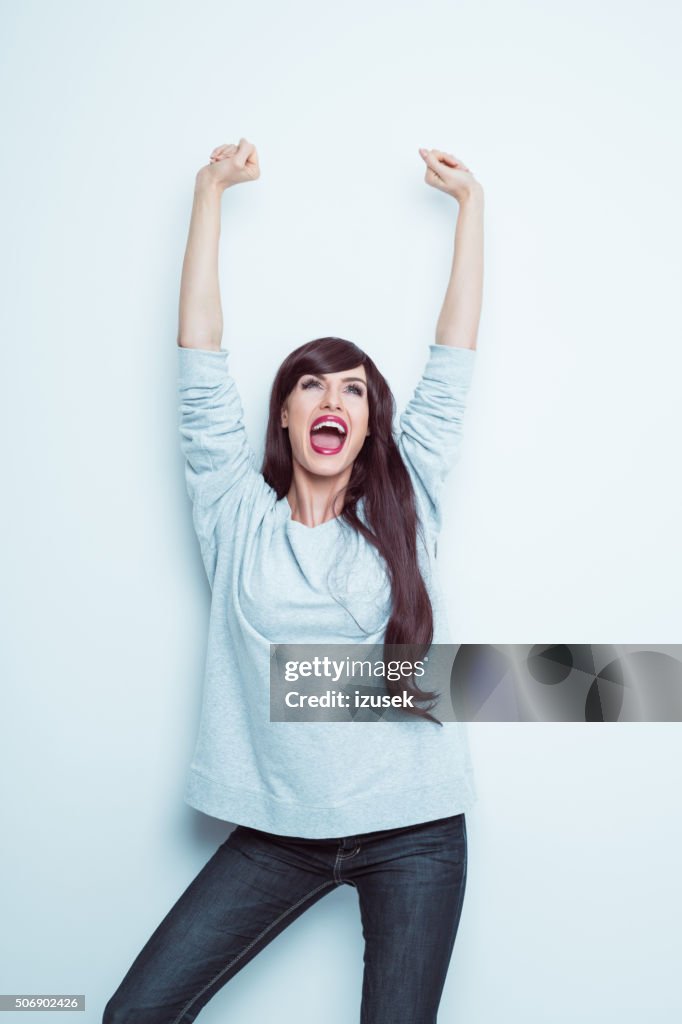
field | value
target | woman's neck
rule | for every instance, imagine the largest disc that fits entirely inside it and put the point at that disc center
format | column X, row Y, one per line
column 312, row 497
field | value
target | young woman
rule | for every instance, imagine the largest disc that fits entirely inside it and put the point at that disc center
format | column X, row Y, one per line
column 333, row 541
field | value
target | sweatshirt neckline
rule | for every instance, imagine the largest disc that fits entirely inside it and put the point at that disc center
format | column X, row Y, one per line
column 295, row 525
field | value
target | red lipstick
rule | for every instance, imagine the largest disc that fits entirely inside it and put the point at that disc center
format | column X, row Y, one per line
column 328, row 434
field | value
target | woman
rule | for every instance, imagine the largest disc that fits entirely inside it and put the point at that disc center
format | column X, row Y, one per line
column 334, row 542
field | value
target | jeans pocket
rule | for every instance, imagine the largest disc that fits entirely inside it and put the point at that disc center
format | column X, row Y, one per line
column 446, row 835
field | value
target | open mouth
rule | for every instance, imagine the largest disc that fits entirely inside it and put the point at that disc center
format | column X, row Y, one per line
column 328, row 435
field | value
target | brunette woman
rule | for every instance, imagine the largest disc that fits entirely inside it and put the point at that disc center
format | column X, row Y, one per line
column 331, row 541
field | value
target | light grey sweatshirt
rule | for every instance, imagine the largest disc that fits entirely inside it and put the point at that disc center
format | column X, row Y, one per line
column 274, row 580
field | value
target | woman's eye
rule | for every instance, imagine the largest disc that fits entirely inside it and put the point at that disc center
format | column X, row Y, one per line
column 355, row 388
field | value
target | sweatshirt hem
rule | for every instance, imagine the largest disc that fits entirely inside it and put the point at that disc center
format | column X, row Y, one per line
column 367, row 813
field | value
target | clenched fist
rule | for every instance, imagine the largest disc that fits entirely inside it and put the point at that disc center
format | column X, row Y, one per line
column 447, row 173
column 231, row 165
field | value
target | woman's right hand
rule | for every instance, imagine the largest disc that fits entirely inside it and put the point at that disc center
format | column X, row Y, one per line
column 230, row 165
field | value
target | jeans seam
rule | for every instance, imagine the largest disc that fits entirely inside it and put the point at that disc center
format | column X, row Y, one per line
column 351, row 853
column 250, row 946
column 341, row 856
column 466, row 865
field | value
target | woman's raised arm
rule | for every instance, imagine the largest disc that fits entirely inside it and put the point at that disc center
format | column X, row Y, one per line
column 461, row 313
column 200, row 322
column 431, row 426
column 219, row 463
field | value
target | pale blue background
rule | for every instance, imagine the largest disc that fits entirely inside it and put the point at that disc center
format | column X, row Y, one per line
column 564, row 510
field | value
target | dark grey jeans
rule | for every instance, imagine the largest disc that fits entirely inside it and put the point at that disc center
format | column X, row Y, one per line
column 410, row 883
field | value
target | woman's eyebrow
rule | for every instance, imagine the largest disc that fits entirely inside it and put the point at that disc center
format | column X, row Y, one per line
column 324, row 375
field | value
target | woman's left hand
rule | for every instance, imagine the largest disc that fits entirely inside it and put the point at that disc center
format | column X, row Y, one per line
column 449, row 174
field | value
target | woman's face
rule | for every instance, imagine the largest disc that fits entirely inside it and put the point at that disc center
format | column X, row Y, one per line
column 327, row 417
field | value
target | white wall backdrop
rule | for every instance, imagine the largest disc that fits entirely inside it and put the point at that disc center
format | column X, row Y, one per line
column 565, row 506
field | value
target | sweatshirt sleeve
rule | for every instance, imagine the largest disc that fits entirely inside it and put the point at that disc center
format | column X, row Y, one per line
column 219, row 463
column 431, row 424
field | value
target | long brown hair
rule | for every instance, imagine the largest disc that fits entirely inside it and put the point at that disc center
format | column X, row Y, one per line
column 380, row 476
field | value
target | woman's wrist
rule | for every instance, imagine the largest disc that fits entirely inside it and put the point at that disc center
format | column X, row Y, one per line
column 206, row 184
column 470, row 194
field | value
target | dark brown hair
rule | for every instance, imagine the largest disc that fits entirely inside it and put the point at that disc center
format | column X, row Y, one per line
column 380, row 476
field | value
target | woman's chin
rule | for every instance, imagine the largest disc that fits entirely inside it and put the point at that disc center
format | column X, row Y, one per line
column 323, row 465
